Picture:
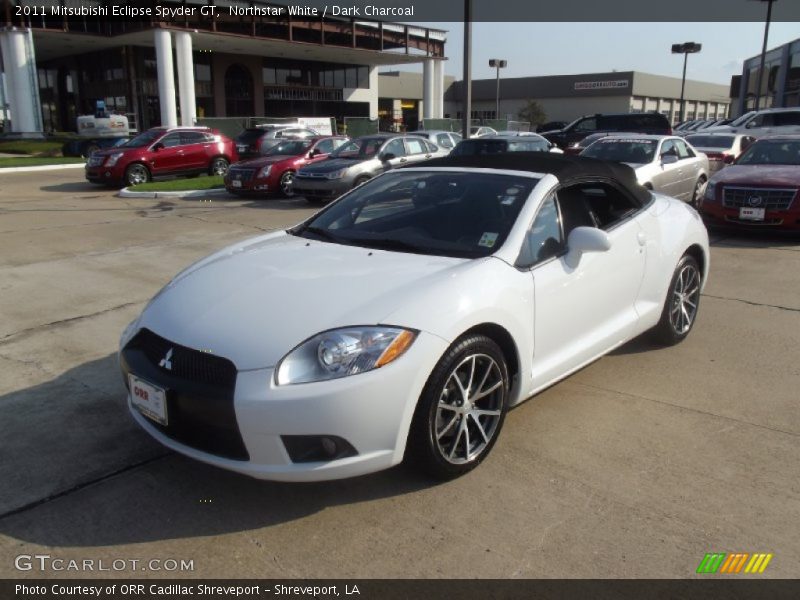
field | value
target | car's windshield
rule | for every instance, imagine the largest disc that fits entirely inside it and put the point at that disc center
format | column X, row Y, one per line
column 772, row 152
column 249, row 135
column 710, row 141
column 143, row 139
column 742, row 119
column 636, row 151
column 442, row 213
column 360, row 148
column 291, row 148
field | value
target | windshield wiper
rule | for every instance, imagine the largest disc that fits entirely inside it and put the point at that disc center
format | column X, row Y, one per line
column 390, row 244
column 323, row 233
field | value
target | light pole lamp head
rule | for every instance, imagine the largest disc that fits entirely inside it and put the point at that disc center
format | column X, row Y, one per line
column 495, row 62
column 686, row 48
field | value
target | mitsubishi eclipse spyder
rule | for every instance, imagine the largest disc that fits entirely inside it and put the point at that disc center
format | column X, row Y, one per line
column 403, row 320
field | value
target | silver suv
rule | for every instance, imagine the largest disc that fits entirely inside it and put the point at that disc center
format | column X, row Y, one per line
column 770, row 121
column 359, row 160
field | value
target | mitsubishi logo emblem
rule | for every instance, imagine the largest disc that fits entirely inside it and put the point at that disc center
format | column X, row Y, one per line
column 166, row 362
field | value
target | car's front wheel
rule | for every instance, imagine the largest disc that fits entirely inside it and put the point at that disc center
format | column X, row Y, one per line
column 683, row 300
column 699, row 190
column 136, row 173
column 219, row 166
column 286, row 184
column 461, row 409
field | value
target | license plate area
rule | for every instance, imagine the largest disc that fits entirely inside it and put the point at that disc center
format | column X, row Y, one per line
column 149, row 399
column 236, row 183
column 752, row 214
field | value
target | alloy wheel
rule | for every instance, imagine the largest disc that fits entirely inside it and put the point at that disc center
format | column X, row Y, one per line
column 286, row 184
column 137, row 174
column 685, row 297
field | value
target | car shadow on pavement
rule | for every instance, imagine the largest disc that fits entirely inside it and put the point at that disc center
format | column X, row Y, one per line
column 754, row 239
column 78, row 472
column 271, row 202
column 73, row 187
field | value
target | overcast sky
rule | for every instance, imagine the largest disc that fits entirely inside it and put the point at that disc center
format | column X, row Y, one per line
column 570, row 48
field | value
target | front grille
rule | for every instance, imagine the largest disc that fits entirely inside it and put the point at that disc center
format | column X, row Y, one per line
column 241, row 174
column 95, row 161
column 752, row 197
column 199, row 392
column 774, row 221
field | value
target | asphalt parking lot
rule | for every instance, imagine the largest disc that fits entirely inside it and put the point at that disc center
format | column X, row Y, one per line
column 634, row 467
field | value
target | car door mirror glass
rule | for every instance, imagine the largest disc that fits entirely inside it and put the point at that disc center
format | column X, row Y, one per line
column 585, row 239
column 387, row 156
column 157, row 146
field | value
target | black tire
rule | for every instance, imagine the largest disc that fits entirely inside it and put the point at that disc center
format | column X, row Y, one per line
column 361, row 179
column 286, row 184
column 136, row 173
column 446, row 446
column 699, row 188
column 680, row 307
column 219, row 166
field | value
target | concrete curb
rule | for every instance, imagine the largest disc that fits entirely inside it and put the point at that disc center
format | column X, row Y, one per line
column 127, row 193
column 41, row 168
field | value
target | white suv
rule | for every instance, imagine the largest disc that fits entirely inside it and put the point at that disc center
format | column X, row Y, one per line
column 770, row 121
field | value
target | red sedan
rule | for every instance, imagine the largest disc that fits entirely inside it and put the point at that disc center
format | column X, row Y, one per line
column 162, row 152
column 760, row 190
column 274, row 171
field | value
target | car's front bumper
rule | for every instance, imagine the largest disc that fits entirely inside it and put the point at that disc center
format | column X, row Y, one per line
column 103, row 175
column 372, row 411
column 320, row 188
column 716, row 215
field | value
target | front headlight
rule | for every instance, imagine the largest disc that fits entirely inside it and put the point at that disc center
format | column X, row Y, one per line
column 112, row 160
column 336, row 174
column 264, row 172
column 342, row 352
column 709, row 193
column 128, row 332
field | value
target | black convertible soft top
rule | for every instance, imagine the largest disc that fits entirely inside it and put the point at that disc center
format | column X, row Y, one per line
column 568, row 169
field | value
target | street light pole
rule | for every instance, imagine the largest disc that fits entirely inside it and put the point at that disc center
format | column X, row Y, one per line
column 686, row 49
column 498, row 64
column 763, row 51
column 466, row 111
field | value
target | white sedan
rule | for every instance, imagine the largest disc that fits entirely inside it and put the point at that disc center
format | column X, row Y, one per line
column 404, row 319
column 663, row 163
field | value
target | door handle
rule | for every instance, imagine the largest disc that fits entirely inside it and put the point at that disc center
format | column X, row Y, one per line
column 641, row 238
column 402, row 160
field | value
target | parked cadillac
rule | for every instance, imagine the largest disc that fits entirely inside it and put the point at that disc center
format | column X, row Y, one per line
column 274, row 172
column 720, row 148
column 359, row 160
column 760, row 190
column 665, row 164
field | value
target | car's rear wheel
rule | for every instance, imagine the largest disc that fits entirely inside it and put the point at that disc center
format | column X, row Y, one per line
column 136, row 173
column 286, row 184
column 682, row 303
column 461, row 409
column 219, row 166
column 699, row 189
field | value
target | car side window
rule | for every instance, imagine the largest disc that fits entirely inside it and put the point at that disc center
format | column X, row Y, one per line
column 668, row 148
column 444, row 141
column 787, row 118
column 595, row 204
column 171, row 140
column 589, row 124
column 339, row 142
column 683, row 150
column 395, row 147
column 192, row 137
column 416, row 146
column 544, row 238
column 324, row 147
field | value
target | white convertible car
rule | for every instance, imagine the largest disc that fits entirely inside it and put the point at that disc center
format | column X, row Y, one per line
column 404, row 319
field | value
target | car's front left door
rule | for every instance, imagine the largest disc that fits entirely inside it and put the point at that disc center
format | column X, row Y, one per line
column 393, row 154
column 667, row 177
column 418, row 150
column 166, row 154
column 584, row 307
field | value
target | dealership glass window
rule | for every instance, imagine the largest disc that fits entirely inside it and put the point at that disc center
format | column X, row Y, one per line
column 792, row 93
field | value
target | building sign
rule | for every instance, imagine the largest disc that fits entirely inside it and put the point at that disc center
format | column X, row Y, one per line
column 321, row 125
column 601, row 85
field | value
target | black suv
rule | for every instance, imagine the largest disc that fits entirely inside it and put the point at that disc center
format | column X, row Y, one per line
column 650, row 122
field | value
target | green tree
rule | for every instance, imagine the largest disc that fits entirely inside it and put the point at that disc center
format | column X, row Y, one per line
column 533, row 113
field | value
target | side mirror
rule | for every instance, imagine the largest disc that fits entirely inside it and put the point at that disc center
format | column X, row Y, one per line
column 387, row 156
column 585, row 239
column 668, row 159
column 157, row 146
column 751, row 124
column 313, row 153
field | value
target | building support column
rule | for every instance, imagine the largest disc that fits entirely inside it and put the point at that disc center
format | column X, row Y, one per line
column 166, row 78
column 438, row 89
column 428, row 91
column 22, row 82
column 183, row 50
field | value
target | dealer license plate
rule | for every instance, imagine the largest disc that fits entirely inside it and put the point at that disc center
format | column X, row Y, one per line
column 148, row 399
column 752, row 214
column 241, row 148
column 236, row 183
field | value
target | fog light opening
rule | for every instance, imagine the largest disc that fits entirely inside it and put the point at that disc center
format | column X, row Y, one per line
column 317, row 448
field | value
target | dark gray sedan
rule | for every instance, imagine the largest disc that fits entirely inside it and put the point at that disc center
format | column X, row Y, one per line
column 358, row 161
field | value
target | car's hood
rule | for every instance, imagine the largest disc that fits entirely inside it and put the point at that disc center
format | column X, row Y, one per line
column 115, row 150
column 254, row 302
column 263, row 161
column 770, row 175
column 333, row 164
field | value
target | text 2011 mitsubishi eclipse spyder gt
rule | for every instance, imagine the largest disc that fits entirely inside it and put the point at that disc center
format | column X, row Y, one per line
column 403, row 320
